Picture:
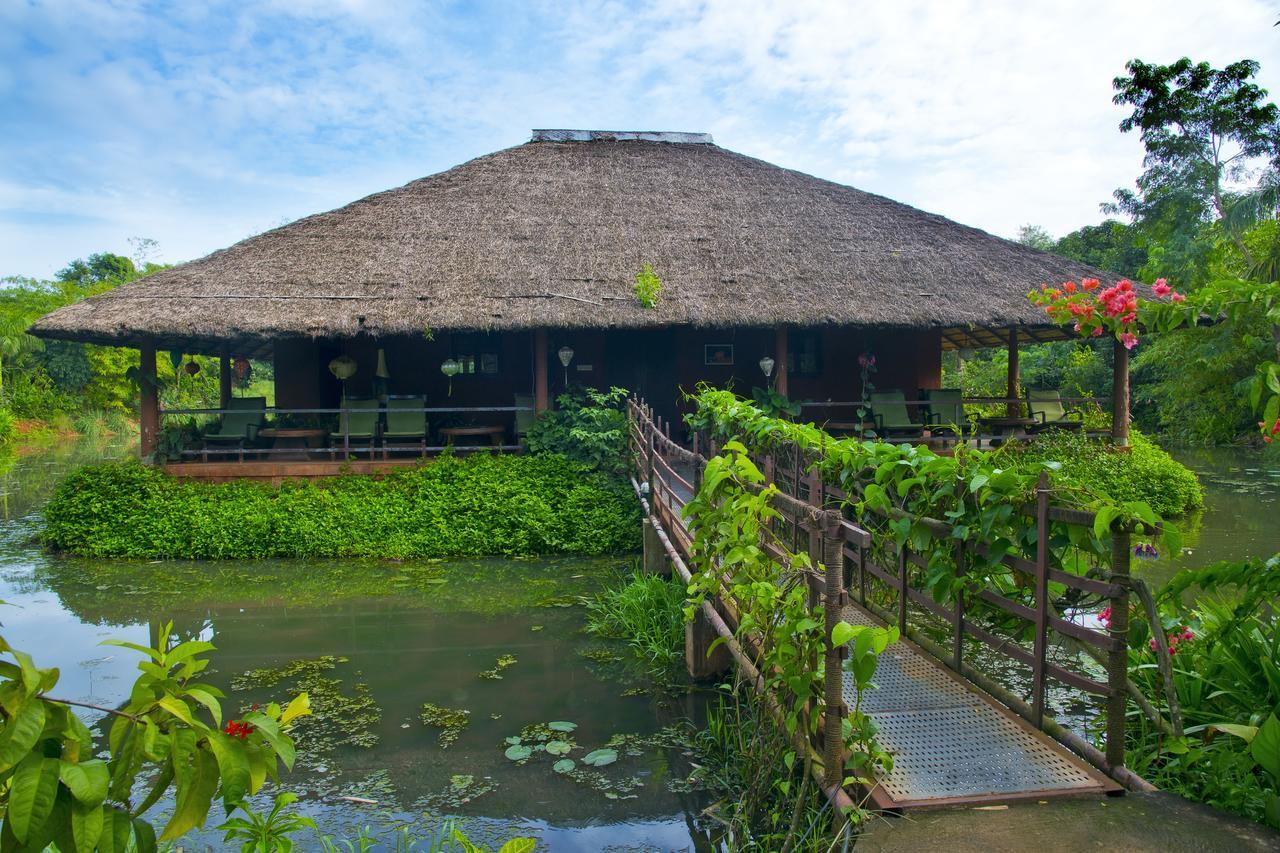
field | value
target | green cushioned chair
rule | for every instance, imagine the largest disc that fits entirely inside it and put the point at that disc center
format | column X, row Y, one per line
column 239, row 426
column 361, row 418
column 525, row 418
column 406, row 424
column 889, row 411
column 1046, row 406
column 946, row 412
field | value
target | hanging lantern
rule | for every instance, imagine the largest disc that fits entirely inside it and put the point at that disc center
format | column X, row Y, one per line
column 381, row 371
column 192, row 368
column 566, row 356
column 242, row 369
column 766, row 366
column 343, row 367
column 451, row 367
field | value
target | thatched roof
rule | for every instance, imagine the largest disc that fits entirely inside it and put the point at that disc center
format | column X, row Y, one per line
column 551, row 234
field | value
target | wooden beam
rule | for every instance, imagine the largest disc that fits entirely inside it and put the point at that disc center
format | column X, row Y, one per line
column 148, row 399
column 781, row 342
column 1120, row 395
column 541, row 396
column 1014, row 406
column 224, row 380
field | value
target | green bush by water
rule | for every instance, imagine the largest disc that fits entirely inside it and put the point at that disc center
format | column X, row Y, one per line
column 453, row 507
column 1144, row 473
column 648, row 612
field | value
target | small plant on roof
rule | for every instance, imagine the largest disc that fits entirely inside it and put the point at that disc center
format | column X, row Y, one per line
column 647, row 287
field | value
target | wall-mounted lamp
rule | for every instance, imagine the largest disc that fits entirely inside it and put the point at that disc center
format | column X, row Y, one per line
column 451, row 367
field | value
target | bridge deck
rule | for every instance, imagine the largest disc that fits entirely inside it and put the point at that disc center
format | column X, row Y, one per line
column 952, row 743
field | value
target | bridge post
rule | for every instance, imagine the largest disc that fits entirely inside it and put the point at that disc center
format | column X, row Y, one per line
column 832, row 599
column 700, row 661
column 1118, row 657
column 1041, row 642
column 655, row 556
column 957, row 625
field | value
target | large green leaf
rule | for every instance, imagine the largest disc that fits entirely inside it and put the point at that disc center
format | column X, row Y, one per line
column 1265, row 747
column 87, row 780
column 86, row 826
column 194, row 797
column 31, row 794
column 233, row 766
column 21, row 733
column 144, row 836
column 270, row 731
column 116, row 829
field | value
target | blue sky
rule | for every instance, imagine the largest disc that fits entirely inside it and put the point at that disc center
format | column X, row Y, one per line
column 198, row 124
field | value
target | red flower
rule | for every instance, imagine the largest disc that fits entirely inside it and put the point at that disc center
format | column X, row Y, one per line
column 236, row 728
column 1089, row 283
column 1161, row 288
column 1178, row 297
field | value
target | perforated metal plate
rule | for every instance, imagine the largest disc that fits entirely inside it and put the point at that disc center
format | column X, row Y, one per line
column 949, row 741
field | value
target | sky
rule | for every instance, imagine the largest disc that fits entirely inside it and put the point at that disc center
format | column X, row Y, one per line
column 197, row 124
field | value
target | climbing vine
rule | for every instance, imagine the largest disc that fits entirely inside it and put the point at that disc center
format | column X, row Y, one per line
column 731, row 519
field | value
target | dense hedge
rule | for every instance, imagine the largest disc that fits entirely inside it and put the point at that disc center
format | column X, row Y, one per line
column 1145, row 473
column 453, row 507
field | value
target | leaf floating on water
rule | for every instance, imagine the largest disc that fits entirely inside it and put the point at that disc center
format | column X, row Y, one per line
column 518, row 753
column 537, row 628
column 564, row 765
column 450, row 721
column 559, row 747
column 513, row 740
column 561, row 726
column 600, row 757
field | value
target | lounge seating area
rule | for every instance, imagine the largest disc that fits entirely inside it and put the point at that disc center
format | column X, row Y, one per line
column 399, row 427
column 944, row 417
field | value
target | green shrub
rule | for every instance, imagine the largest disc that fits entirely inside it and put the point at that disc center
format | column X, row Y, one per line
column 7, row 426
column 1144, row 473
column 474, row 506
column 648, row 612
column 587, row 426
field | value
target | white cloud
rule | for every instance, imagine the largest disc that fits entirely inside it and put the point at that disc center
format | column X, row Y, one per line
column 211, row 122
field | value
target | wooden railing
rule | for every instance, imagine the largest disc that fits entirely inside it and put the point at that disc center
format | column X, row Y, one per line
column 884, row 578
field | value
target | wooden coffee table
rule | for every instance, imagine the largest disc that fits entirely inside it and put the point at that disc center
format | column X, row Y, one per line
column 300, row 440
column 497, row 434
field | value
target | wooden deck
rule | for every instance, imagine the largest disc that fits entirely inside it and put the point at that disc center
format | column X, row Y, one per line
column 277, row 471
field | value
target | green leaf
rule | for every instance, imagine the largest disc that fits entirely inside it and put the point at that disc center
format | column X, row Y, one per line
column 181, row 710
column 561, row 726
column 600, row 757
column 86, row 826
column 115, row 831
column 21, row 733
column 193, row 798
column 233, row 765
column 31, row 794
column 559, row 747
column 205, row 697
column 1265, row 747
column 86, row 780
column 519, row 752
column 564, row 765
column 519, row 845
column 144, row 836
column 270, row 732
column 1103, row 520
column 842, row 633
column 1245, row 733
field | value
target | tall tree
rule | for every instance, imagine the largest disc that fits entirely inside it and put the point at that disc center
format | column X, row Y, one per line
column 1212, row 144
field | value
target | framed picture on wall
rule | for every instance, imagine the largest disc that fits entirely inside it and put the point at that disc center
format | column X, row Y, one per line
column 489, row 363
column 717, row 355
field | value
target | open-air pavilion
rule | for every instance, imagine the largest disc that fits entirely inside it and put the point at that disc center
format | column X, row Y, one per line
column 472, row 297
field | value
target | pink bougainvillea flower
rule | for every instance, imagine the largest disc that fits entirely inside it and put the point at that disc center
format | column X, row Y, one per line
column 1178, row 297
column 1089, row 283
column 1097, row 332
column 1161, row 288
column 1129, row 339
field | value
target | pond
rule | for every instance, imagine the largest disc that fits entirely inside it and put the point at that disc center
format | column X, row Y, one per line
column 372, row 642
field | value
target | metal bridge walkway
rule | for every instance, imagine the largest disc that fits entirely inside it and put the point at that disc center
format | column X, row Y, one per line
column 952, row 743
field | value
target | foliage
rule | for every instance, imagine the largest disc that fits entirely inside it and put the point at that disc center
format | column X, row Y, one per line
column 475, row 505
column 1144, row 473
column 587, row 426
column 1204, row 129
column 7, row 426
column 170, row 733
column 895, row 488
column 266, row 834
column 1035, row 237
column 648, row 612
column 777, row 404
column 647, row 287
column 730, row 519
column 1227, row 680
column 1110, row 245
column 1114, row 309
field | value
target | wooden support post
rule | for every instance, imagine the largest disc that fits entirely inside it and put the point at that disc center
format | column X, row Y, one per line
column 149, row 399
column 780, row 345
column 1120, row 395
column 903, row 588
column 541, row 397
column 655, row 556
column 1014, row 406
column 699, row 634
column 1118, row 658
column 957, row 625
column 1041, row 642
column 224, row 380
column 832, row 735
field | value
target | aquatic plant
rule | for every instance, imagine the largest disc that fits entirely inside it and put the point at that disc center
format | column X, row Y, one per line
column 495, row 674
column 647, row 611
column 450, row 721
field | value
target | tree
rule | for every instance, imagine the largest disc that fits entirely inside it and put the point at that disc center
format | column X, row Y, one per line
column 1110, row 245
column 1204, row 130
column 1035, row 237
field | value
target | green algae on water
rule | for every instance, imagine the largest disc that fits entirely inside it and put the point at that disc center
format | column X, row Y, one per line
column 450, row 721
column 495, row 674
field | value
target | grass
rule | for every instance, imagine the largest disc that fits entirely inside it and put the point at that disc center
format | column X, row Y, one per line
column 647, row 611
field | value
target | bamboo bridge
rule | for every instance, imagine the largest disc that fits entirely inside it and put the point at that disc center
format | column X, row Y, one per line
column 958, row 735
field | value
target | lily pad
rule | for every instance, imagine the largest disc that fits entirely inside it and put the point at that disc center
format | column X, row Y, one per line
column 559, row 747
column 513, row 740
column 518, row 752
column 564, row 765
column 561, row 726
column 600, row 757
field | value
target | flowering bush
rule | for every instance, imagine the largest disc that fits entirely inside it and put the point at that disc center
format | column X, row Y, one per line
column 1090, row 311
